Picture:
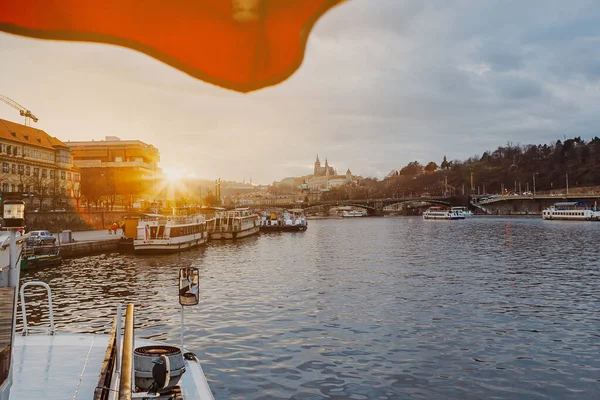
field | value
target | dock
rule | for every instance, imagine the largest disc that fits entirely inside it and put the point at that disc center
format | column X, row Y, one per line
column 89, row 242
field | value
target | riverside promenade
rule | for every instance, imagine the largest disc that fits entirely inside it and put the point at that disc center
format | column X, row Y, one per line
column 89, row 242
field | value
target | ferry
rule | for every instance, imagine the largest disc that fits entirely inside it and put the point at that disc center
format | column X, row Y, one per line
column 442, row 213
column 571, row 211
column 234, row 224
column 42, row 363
column 290, row 221
column 354, row 213
column 159, row 233
column 462, row 210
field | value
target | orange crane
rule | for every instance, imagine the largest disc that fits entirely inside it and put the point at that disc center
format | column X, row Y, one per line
column 22, row 110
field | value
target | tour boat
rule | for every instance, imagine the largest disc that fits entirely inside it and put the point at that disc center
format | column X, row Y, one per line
column 234, row 224
column 157, row 233
column 442, row 213
column 354, row 213
column 290, row 221
column 462, row 210
column 571, row 211
column 55, row 366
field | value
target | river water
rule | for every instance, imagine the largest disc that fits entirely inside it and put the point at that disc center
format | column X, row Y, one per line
column 368, row 308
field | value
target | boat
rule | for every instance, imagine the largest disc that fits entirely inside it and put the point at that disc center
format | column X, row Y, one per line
column 159, row 233
column 442, row 213
column 462, row 210
column 40, row 256
column 234, row 224
column 46, row 364
column 292, row 220
column 354, row 213
column 571, row 211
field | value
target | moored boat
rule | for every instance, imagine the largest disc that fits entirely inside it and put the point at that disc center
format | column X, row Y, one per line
column 442, row 213
column 159, row 233
column 40, row 256
column 292, row 220
column 462, row 210
column 354, row 213
column 571, row 211
column 234, row 224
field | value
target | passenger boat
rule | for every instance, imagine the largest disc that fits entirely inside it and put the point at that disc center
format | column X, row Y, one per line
column 571, row 211
column 442, row 213
column 354, row 213
column 182, row 230
column 234, row 224
column 40, row 256
column 462, row 210
column 289, row 221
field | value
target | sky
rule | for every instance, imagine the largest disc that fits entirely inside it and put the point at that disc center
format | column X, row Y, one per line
column 383, row 83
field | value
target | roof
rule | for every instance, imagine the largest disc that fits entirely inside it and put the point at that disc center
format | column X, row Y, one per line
column 28, row 135
column 569, row 203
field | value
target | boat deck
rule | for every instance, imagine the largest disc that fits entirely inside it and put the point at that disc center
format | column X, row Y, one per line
column 67, row 366
column 57, row 367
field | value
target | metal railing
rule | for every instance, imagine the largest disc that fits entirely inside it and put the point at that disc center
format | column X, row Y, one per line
column 126, row 379
column 26, row 328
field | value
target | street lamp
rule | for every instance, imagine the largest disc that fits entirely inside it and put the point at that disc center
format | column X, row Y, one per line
column 534, row 174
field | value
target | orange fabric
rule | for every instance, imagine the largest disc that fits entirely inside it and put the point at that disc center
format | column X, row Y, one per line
column 199, row 37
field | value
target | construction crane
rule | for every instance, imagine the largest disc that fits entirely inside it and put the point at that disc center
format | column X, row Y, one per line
column 22, row 110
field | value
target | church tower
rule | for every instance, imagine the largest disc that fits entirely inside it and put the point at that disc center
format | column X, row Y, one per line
column 317, row 166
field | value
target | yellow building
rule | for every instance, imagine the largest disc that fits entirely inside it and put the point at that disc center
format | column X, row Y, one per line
column 37, row 167
column 117, row 172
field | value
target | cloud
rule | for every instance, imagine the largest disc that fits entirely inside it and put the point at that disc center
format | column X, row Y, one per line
column 383, row 83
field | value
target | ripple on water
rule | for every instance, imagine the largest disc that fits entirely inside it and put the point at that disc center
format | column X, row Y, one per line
column 377, row 308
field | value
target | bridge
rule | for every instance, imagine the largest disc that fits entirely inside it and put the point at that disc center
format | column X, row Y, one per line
column 373, row 206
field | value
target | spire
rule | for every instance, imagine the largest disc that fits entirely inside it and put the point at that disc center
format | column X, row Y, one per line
column 318, row 159
column 326, row 164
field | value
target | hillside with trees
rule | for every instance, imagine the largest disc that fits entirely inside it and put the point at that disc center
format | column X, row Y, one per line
column 512, row 168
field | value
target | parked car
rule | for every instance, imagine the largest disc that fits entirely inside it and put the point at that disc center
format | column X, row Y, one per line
column 41, row 237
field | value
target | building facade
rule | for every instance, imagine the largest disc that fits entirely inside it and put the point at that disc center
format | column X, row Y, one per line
column 117, row 172
column 37, row 168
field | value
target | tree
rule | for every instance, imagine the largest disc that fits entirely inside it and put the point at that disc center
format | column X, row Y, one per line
column 445, row 164
column 431, row 167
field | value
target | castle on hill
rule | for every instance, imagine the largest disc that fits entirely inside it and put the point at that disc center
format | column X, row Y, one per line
column 323, row 171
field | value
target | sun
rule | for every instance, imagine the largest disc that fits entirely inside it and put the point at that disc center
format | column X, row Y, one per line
column 173, row 175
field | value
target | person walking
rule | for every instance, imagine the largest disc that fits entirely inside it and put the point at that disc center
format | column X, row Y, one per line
column 115, row 227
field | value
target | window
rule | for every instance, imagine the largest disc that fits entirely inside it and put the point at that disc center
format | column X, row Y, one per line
column 5, row 187
column 9, row 150
column 21, row 169
column 27, row 152
column 27, row 171
column 36, row 172
column 44, row 173
column 18, row 151
column 3, row 150
column 118, row 159
column 69, row 176
column 13, row 187
column 5, row 167
column 20, row 187
column 36, row 154
column 76, row 177
column 62, row 175
column 52, row 173
column 13, row 168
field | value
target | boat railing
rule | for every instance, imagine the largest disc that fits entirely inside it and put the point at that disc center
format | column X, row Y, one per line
column 26, row 328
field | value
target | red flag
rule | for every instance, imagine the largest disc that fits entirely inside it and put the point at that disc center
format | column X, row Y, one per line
column 242, row 45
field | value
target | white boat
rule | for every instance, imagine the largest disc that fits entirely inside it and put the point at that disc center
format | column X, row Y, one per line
column 462, row 210
column 292, row 220
column 46, row 364
column 157, row 233
column 235, row 224
column 354, row 213
column 442, row 213
column 571, row 211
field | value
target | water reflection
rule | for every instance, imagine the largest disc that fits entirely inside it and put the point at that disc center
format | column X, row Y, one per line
column 377, row 308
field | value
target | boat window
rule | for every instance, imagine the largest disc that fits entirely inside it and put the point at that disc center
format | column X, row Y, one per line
column 7, row 297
